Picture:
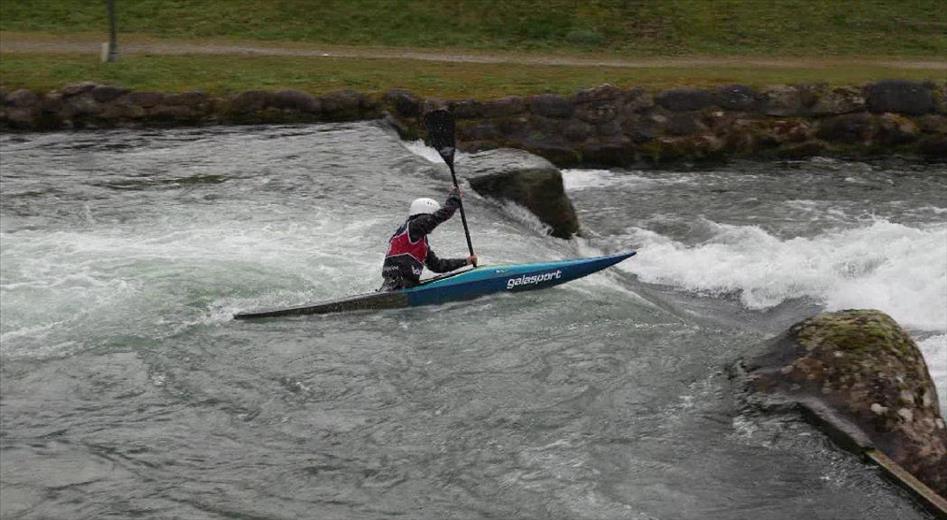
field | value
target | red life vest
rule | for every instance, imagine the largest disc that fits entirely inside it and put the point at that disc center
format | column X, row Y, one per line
column 401, row 244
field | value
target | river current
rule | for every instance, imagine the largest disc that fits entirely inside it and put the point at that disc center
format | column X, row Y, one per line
column 126, row 390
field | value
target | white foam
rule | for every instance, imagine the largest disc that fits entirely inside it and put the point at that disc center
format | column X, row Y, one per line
column 93, row 283
column 525, row 217
column 422, row 150
column 898, row 269
column 427, row 152
column 574, row 180
column 935, row 355
column 578, row 179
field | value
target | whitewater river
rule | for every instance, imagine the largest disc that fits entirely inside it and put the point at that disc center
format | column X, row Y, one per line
column 127, row 390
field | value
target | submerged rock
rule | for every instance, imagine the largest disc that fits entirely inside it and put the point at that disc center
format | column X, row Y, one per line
column 527, row 180
column 862, row 373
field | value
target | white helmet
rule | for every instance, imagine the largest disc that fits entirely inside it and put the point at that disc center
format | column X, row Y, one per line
column 423, row 205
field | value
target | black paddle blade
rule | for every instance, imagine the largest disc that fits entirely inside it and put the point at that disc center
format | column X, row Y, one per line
column 440, row 133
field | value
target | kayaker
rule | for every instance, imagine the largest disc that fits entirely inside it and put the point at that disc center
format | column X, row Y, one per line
column 408, row 248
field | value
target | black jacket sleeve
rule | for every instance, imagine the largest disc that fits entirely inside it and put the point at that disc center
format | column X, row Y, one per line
column 421, row 225
column 443, row 265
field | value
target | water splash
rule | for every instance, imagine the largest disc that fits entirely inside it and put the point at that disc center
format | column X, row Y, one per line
column 898, row 269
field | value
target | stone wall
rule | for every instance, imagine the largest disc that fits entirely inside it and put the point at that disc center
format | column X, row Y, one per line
column 605, row 125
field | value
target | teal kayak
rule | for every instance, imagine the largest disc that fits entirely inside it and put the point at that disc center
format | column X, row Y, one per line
column 462, row 285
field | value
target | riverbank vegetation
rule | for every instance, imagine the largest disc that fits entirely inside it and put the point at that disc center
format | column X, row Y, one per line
column 221, row 74
column 674, row 43
column 627, row 28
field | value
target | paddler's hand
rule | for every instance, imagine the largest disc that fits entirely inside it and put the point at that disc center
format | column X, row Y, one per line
column 455, row 192
column 472, row 260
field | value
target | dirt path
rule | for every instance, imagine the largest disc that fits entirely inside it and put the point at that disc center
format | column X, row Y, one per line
column 91, row 44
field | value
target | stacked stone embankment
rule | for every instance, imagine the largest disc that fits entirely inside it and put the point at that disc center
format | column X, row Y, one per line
column 605, row 125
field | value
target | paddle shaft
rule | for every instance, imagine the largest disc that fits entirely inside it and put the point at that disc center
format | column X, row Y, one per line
column 440, row 129
column 463, row 216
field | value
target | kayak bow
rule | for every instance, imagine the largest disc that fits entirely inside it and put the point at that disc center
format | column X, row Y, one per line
column 462, row 285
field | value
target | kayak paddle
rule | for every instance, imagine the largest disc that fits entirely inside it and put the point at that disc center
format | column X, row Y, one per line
column 440, row 132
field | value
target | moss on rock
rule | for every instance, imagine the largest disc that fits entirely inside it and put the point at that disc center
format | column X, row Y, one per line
column 866, row 369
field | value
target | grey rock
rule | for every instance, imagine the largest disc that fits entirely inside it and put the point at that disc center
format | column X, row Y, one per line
column 804, row 150
column 839, row 101
column 121, row 111
column 249, row 101
column 188, row 99
column 895, row 129
column 77, row 88
column 174, row 113
column 480, row 130
column 933, row 124
column 466, row 109
column 644, row 128
column 598, row 112
column 106, row 93
column 559, row 153
column 345, row 105
column 609, row 129
column 405, row 103
column 637, row 100
column 527, row 180
column 684, row 99
column 295, row 100
column 933, row 147
column 551, row 105
column 791, row 101
column 81, row 105
column 606, row 93
column 22, row 98
column 504, row 107
column 21, row 117
column 617, row 152
column 864, row 369
column 577, row 131
column 144, row 99
column 700, row 148
column 513, row 126
column 684, row 124
column 546, row 128
column 847, row 129
column 940, row 98
column 52, row 102
column 903, row 97
column 738, row 97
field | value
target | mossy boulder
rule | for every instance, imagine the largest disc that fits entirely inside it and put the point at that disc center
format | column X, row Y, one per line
column 870, row 376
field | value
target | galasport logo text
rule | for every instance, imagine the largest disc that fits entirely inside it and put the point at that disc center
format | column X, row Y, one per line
column 533, row 280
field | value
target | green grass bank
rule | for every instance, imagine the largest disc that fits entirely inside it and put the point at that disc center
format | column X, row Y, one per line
column 626, row 28
column 228, row 74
